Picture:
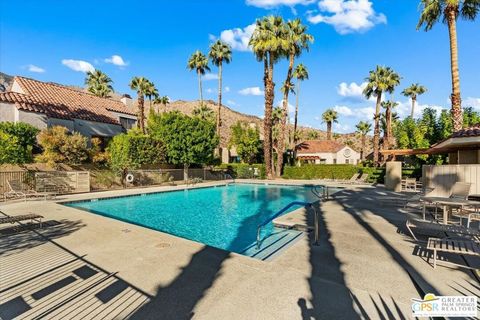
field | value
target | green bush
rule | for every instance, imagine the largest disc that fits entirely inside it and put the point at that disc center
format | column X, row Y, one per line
column 9, row 151
column 61, row 147
column 320, row 171
column 243, row 170
column 25, row 138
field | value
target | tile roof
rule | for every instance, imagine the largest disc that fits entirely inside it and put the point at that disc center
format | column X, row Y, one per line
column 473, row 131
column 319, row 146
column 62, row 102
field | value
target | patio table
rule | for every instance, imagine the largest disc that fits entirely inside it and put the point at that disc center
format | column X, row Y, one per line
column 448, row 203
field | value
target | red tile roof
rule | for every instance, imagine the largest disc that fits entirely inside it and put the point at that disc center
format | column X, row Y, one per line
column 317, row 146
column 473, row 131
column 62, row 102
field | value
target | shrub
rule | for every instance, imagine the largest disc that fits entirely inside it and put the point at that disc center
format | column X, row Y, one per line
column 61, row 147
column 95, row 154
column 246, row 140
column 25, row 137
column 320, row 171
column 9, row 151
column 243, row 170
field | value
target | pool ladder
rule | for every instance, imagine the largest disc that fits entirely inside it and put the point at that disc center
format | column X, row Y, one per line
column 294, row 203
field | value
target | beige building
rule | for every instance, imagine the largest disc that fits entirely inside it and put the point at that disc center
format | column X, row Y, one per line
column 45, row 104
column 325, row 152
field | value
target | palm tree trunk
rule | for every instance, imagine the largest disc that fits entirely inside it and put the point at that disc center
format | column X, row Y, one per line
column 413, row 106
column 451, row 14
column 219, row 119
column 388, row 129
column 283, row 120
column 362, row 155
column 296, row 115
column 329, row 130
column 141, row 112
column 376, row 130
column 200, row 87
column 267, row 121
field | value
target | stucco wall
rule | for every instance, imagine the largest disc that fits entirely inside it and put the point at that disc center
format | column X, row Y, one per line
column 89, row 128
column 7, row 112
column 331, row 157
column 37, row 120
column 353, row 158
column 61, row 122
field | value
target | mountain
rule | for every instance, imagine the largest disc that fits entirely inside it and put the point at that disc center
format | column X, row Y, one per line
column 5, row 81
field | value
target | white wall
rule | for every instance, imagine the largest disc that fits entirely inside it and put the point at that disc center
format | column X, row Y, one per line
column 37, row 120
column 7, row 112
column 353, row 158
column 330, row 157
column 90, row 128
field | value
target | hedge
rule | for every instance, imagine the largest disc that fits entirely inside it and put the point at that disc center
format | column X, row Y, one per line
column 320, row 171
column 243, row 170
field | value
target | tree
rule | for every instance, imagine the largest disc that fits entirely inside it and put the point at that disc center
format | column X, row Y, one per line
column 99, row 83
column 59, row 146
column 163, row 101
column 187, row 140
column 429, row 121
column 25, row 137
column 267, row 43
column 410, row 134
column 297, row 39
column 449, row 11
column 470, row 117
column 445, row 125
column 413, row 92
column 151, row 93
column 246, row 140
column 204, row 112
column 363, row 128
column 198, row 62
column 312, row 134
column 10, row 153
column 220, row 52
column 380, row 80
column 329, row 117
column 388, row 106
column 141, row 85
column 301, row 74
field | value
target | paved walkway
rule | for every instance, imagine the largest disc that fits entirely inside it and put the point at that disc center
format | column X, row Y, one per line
column 85, row 266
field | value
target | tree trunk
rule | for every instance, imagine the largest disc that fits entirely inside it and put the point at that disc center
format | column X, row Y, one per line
column 329, row 130
column 200, row 87
column 451, row 14
column 219, row 119
column 283, row 120
column 267, row 121
column 413, row 106
column 376, row 130
column 185, row 172
column 388, row 129
column 141, row 112
column 362, row 155
column 295, row 121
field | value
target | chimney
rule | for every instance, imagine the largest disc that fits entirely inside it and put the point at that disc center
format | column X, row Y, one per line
column 127, row 100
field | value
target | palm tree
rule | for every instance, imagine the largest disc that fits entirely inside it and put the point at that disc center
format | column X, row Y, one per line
column 380, row 80
column 204, row 112
column 199, row 62
column 449, row 11
column 99, row 83
column 329, row 117
column 297, row 39
column 413, row 92
column 363, row 128
column 387, row 134
column 268, row 44
column 301, row 74
column 163, row 101
column 141, row 85
column 220, row 52
column 151, row 93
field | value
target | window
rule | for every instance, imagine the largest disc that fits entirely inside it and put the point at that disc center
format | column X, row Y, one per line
column 347, row 161
column 334, row 161
column 323, row 161
column 127, row 123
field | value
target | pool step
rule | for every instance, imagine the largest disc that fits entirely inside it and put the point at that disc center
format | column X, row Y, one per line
column 273, row 244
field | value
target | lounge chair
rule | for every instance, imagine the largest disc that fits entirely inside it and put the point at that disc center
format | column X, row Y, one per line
column 362, row 179
column 14, row 219
column 422, row 225
column 351, row 180
column 451, row 245
column 16, row 190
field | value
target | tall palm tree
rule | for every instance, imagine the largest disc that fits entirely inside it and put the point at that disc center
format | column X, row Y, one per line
column 99, row 83
column 301, row 74
column 163, row 101
column 363, row 128
column 204, row 112
column 387, row 134
column 380, row 80
column 297, row 40
column 199, row 62
column 413, row 92
column 329, row 117
column 449, row 11
column 268, row 44
column 220, row 53
column 140, row 85
column 151, row 93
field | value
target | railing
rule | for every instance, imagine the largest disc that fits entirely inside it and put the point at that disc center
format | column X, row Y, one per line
column 229, row 176
column 325, row 192
column 279, row 213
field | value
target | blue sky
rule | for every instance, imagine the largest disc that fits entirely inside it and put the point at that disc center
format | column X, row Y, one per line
column 58, row 40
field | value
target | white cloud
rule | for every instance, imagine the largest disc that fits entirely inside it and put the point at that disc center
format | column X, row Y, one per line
column 351, row 90
column 267, row 4
column 347, row 16
column 404, row 109
column 343, row 110
column 252, row 91
column 291, row 107
column 210, row 76
column 227, row 89
column 209, row 90
column 78, row 65
column 116, row 60
column 365, row 113
column 472, row 102
column 34, row 68
column 232, row 103
column 342, row 128
column 238, row 38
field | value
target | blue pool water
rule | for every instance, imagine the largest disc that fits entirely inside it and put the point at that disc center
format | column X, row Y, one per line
column 225, row 217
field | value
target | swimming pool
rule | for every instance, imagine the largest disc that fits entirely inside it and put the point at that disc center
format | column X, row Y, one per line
column 224, row 217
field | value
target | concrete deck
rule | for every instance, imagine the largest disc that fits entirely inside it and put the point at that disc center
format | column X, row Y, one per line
column 85, row 266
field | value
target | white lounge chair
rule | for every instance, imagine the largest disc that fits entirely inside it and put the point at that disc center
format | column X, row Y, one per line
column 16, row 190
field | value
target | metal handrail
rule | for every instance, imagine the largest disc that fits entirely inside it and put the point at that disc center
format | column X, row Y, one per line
column 325, row 192
column 294, row 203
column 228, row 175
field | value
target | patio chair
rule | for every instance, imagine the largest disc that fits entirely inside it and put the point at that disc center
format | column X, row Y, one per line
column 351, row 180
column 455, row 246
column 13, row 219
column 430, row 226
column 16, row 190
column 362, row 179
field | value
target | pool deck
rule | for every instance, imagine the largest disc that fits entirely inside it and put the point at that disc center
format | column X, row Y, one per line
column 81, row 266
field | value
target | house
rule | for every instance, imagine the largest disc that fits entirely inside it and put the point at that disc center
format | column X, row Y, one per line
column 325, row 152
column 46, row 104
